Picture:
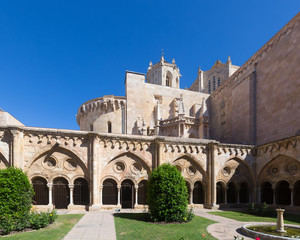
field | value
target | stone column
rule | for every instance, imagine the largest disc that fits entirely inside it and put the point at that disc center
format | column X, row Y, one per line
column 212, row 181
column 280, row 223
column 16, row 157
column 292, row 195
column 71, row 186
column 119, row 196
column 50, row 185
column 259, row 194
column 191, row 196
column 136, row 187
column 274, row 195
column 101, row 194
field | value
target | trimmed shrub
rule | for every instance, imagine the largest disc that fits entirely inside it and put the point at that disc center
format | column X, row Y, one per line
column 167, row 195
column 16, row 195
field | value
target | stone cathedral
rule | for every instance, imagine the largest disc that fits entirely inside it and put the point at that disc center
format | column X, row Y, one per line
column 234, row 135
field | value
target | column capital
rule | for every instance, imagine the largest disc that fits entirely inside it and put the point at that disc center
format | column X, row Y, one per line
column 136, row 187
column 119, row 187
column 291, row 188
column 71, row 186
column 49, row 185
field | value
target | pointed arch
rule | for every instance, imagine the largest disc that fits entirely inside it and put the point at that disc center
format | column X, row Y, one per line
column 266, row 168
column 3, row 160
column 135, row 156
column 188, row 157
column 47, row 152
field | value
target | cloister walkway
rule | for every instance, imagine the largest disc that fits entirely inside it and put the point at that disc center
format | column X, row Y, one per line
column 101, row 226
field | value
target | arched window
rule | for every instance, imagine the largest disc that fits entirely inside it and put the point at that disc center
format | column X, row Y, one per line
column 283, row 193
column 219, row 81
column 61, row 193
column 109, row 192
column 142, row 192
column 109, row 127
column 220, row 193
column 231, row 193
column 209, row 87
column 214, row 83
column 244, row 193
column 81, row 192
column 167, row 81
column 267, row 193
column 41, row 196
column 297, row 193
column 198, row 193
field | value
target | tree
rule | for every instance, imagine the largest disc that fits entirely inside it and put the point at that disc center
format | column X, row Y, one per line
column 167, row 195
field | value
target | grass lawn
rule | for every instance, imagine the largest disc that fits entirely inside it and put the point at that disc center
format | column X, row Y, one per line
column 137, row 226
column 244, row 217
column 57, row 230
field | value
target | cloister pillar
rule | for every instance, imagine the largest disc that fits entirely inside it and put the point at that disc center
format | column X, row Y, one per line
column 136, row 187
column 119, row 195
column 71, row 186
column 101, row 194
column 50, row 185
column 292, row 195
column 191, row 196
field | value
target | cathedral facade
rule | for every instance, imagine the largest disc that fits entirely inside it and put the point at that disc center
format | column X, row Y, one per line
column 234, row 135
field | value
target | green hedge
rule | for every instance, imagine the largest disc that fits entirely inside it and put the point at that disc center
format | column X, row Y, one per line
column 16, row 194
column 167, row 195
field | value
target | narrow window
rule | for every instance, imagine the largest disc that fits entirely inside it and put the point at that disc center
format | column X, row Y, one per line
column 214, row 83
column 167, row 81
column 209, row 90
column 91, row 127
column 219, row 81
column 109, row 127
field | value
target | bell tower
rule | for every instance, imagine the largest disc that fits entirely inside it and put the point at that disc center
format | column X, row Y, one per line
column 164, row 73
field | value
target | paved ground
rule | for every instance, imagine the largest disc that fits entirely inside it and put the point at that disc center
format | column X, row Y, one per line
column 101, row 226
column 225, row 229
column 94, row 226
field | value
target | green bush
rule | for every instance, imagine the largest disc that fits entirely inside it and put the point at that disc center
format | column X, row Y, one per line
column 16, row 195
column 261, row 210
column 167, row 195
column 39, row 220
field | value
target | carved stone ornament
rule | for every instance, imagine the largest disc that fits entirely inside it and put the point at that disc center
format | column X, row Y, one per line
column 119, row 167
column 273, row 170
column 291, row 168
column 136, row 168
column 49, row 163
column 226, row 171
column 70, row 164
column 191, row 170
column 179, row 168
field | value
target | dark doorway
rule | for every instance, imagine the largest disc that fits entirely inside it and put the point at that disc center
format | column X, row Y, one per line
column 244, row 193
column 81, row 192
column 266, row 193
column 220, row 193
column 297, row 193
column 198, row 193
column 231, row 193
column 109, row 192
column 61, row 193
column 142, row 192
column 127, row 194
column 41, row 190
column 283, row 193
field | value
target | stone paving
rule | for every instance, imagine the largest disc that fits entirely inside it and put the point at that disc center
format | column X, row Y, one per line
column 101, row 226
column 94, row 226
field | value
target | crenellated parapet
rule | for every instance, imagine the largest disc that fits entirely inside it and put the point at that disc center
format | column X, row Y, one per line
column 107, row 103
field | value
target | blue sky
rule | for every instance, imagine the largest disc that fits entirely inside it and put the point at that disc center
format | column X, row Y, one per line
column 55, row 55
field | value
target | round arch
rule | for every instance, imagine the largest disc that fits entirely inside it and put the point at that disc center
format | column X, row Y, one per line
column 61, row 192
column 41, row 196
column 109, row 192
column 81, row 193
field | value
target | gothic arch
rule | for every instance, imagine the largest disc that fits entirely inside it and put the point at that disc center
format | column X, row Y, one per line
column 49, row 151
column 233, row 178
column 280, row 168
column 188, row 157
column 111, row 177
column 3, row 160
column 134, row 156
